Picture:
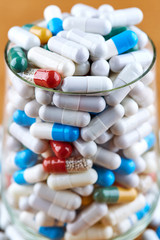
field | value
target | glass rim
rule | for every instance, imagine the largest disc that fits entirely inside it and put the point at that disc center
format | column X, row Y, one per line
column 102, row 93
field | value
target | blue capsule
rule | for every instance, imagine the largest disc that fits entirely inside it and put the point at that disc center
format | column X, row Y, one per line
column 18, row 177
column 150, row 140
column 54, row 233
column 127, row 167
column 125, row 41
column 105, row 177
column 22, row 119
column 55, row 25
column 141, row 213
column 25, row 158
column 64, row 133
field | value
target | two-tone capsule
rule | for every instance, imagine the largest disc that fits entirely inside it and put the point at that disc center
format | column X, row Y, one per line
column 17, row 59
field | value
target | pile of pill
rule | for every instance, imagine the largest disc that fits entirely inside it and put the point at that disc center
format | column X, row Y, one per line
column 80, row 151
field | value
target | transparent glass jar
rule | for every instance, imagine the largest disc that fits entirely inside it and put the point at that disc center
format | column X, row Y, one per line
column 146, row 152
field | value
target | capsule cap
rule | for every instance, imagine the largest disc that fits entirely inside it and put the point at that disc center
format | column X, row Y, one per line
column 127, row 167
column 105, row 176
column 19, row 177
column 55, row 233
column 47, row 78
column 25, row 158
column 55, row 25
column 64, row 133
column 22, row 119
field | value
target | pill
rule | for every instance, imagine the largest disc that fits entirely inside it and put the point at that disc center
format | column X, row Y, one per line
column 66, row 181
column 31, row 109
column 101, row 123
column 142, row 36
column 126, row 167
column 42, row 23
column 12, row 144
column 100, row 68
column 51, row 209
column 115, row 31
column 12, row 233
column 69, row 49
column 105, row 137
column 43, row 97
column 106, row 159
column 65, row 199
column 63, row 116
column 79, row 103
column 17, row 59
column 22, row 38
column 145, row 183
column 84, row 191
column 87, row 218
column 57, row 132
column 150, row 161
column 91, row 25
column 128, row 181
column 86, row 84
column 124, row 17
column 105, row 177
column 65, row 15
column 105, row 8
column 114, row 194
column 42, row 33
column 42, row 219
column 127, row 75
column 86, row 149
column 10, row 109
column 83, row 10
column 18, row 101
column 51, row 11
column 140, row 165
column 140, row 147
column 22, row 119
column 42, row 77
column 55, row 25
column 82, row 69
column 61, row 149
column 149, row 234
column 45, row 59
column 130, row 106
column 53, row 232
column 16, row 191
column 24, row 204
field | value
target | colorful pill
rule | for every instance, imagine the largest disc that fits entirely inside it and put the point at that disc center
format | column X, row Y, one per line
column 55, row 233
column 55, row 25
column 22, row 119
column 105, row 176
column 114, row 194
column 56, row 131
column 42, row 77
column 25, row 158
column 42, row 33
column 61, row 149
column 70, row 165
column 17, row 59
column 127, row 167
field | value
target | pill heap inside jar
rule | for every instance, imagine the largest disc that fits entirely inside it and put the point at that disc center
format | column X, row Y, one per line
column 81, row 159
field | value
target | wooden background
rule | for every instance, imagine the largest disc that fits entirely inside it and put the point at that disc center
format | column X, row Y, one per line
column 20, row 12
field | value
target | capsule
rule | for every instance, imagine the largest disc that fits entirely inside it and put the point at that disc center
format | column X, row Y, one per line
column 17, row 59
column 42, row 33
column 114, row 194
column 70, row 165
column 105, row 177
column 61, row 149
column 22, row 119
column 43, row 97
column 115, row 31
column 56, row 131
column 83, row 10
column 42, row 77
column 25, row 158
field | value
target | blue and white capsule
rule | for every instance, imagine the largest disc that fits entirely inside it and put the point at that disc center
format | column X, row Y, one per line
column 56, row 131
column 121, row 43
column 105, row 177
column 127, row 167
column 22, row 119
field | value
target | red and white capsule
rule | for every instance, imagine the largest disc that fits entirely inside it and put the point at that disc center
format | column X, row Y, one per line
column 61, row 149
column 70, row 165
column 43, row 77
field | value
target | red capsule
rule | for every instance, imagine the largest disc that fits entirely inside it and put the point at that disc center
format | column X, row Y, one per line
column 54, row 165
column 61, row 149
column 47, row 78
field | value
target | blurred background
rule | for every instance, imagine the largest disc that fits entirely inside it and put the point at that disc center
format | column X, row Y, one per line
column 20, row 12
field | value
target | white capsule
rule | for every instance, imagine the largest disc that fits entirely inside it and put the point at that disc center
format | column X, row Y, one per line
column 17, row 191
column 104, row 8
column 84, row 191
column 12, row 233
column 126, row 140
column 69, row 49
column 128, row 181
column 143, row 95
column 86, row 149
column 45, row 59
column 110, row 146
column 10, row 109
column 42, row 219
column 83, row 10
column 91, row 25
column 130, row 106
column 100, row 68
column 24, row 204
column 87, row 218
column 126, row 76
column 145, row 183
column 82, row 69
column 32, row 109
column 65, row 15
column 149, row 234
column 101, row 123
column 148, row 78
column 124, row 17
column 103, row 138
column 106, row 159
column 10, row 166
column 66, row 181
column 43, row 97
column 65, row 199
column 140, row 165
column 17, row 101
column 142, row 36
column 63, row 116
column 79, row 103
column 118, row 213
column 150, row 159
column 23, row 135
column 87, row 84
column 52, row 11
column 35, row 174
column 12, row 144
column 144, row 57
column 52, row 210
column 28, row 218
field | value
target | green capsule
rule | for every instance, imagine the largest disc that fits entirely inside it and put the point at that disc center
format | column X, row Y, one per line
column 17, row 59
column 106, row 194
column 115, row 31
